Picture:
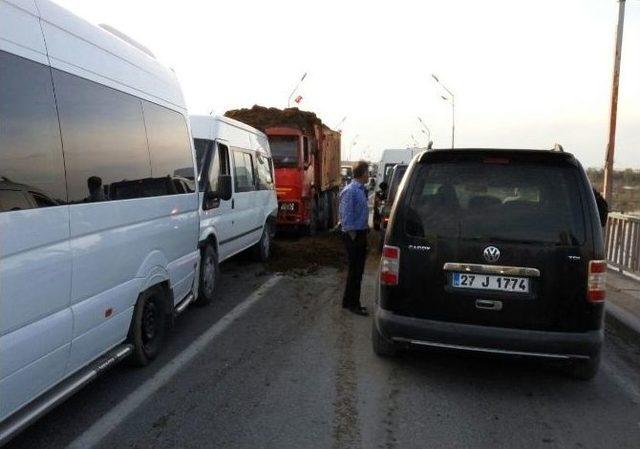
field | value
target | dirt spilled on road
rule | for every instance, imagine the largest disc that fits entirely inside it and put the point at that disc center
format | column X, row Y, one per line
column 305, row 255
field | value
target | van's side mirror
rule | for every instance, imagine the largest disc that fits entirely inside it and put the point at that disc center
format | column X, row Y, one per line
column 224, row 187
column 211, row 200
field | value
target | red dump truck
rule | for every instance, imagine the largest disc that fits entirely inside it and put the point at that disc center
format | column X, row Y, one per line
column 306, row 157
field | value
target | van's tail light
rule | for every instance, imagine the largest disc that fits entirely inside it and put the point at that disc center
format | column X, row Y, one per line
column 596, row 288
column 390, row 265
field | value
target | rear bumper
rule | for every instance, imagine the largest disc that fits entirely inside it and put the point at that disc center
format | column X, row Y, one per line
column 496, row 340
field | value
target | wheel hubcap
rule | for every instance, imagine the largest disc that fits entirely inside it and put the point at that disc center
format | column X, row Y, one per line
column 149, row 321
column 209, row 275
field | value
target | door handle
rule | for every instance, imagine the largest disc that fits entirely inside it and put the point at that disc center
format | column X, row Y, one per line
column 233, row 203
column 488, row 304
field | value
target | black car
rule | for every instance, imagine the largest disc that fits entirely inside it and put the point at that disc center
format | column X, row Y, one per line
column 397, row 175
column 494, row 251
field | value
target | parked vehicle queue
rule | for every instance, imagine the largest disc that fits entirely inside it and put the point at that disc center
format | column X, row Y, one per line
column 107, row 232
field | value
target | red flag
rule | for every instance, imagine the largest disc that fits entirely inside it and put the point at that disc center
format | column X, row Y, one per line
column 298, row 99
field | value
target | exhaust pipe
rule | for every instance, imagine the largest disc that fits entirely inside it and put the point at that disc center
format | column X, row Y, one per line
column 42, row 405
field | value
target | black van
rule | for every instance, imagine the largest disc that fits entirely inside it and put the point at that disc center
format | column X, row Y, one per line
column 495, row 251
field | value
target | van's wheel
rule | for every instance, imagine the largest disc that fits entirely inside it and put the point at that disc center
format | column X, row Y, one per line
column 381, row 345
column 209, row 275
column 262, row 249
column 148, row 326
column 585, row 369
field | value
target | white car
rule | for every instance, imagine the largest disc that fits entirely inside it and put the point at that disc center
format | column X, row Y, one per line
column 238, row 204
column 99, row 213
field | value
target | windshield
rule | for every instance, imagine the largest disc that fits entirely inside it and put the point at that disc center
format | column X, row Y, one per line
column 513, row 202
column 284, row 150
column 202, row 147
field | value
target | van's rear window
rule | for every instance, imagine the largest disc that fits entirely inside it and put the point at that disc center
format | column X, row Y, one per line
column 498, row 202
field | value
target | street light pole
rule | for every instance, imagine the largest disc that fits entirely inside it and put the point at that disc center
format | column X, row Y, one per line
column 353, row 144
column 426, row 133
column 613, row 116
column 337, row 127
column 453, row 110
column 295, row 89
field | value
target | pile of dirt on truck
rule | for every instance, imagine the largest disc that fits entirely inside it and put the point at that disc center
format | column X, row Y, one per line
column 261, row 117
column 305, row 255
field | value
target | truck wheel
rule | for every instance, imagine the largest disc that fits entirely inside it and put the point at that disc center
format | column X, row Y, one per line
column 382, row 346
column 585, row 369
column 148, row 326
column 312, row 229
column 326, row 218
column 262, row 249
column 209, row 275
column 321, row 213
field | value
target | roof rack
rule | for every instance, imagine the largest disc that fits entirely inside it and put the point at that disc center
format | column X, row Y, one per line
column 558, row 147
column 119, row 34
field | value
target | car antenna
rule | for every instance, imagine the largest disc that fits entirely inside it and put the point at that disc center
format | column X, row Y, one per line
column 558, row 147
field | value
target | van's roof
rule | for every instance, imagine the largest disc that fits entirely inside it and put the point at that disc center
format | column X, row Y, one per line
column 229, row 130
column 47, row 33
column 445, row 153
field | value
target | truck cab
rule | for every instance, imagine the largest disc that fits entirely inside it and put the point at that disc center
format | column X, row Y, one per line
column 293, row 163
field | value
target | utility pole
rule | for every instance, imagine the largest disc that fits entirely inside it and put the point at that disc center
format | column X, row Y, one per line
column 613, row 116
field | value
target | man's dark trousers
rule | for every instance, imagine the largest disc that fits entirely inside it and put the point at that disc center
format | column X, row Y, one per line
column 357, row 255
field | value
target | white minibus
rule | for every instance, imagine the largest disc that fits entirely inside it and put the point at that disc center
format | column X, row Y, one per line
column 98, row 206
column 238, row 205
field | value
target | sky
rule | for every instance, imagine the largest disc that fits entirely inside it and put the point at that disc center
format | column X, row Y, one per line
column 525, row 74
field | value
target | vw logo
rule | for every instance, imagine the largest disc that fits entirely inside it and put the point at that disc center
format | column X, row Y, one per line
column 491, row 254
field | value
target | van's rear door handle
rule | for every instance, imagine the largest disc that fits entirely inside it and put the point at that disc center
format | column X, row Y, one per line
column 233, row 203
column 488, row 304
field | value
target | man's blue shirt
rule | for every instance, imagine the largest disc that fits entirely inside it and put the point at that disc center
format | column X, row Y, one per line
column 354, row 207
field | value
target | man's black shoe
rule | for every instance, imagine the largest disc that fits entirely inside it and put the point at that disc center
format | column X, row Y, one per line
column 362, row 311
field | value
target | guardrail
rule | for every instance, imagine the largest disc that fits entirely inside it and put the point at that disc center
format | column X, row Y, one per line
column 622, row 242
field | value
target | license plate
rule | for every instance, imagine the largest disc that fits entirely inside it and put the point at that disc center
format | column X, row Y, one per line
column 491, row 282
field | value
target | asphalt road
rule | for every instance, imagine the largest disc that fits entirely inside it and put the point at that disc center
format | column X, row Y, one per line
column 276, row 363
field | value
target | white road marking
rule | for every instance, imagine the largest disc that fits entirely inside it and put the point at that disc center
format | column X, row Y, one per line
column 101, row 428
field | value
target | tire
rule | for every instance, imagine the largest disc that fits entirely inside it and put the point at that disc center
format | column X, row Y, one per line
column 585, row 369
column 262, row 249
column 209, row 275
column 322, row 213
column 149, row 326
column 382, row 346
column 376, row 220
column 312, row 229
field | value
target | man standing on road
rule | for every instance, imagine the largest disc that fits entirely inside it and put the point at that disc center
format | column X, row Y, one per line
column 354, row 218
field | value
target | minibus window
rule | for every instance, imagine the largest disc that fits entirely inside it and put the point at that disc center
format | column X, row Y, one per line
column 244, row 180
column 202, row 147
column 169, row 145
column 30, row 148
column 265, row 180
column 214, row 172
column 104, row 142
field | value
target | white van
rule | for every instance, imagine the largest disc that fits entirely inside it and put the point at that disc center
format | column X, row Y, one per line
column 98, row 206
column 392, row 157
column 238, row 204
